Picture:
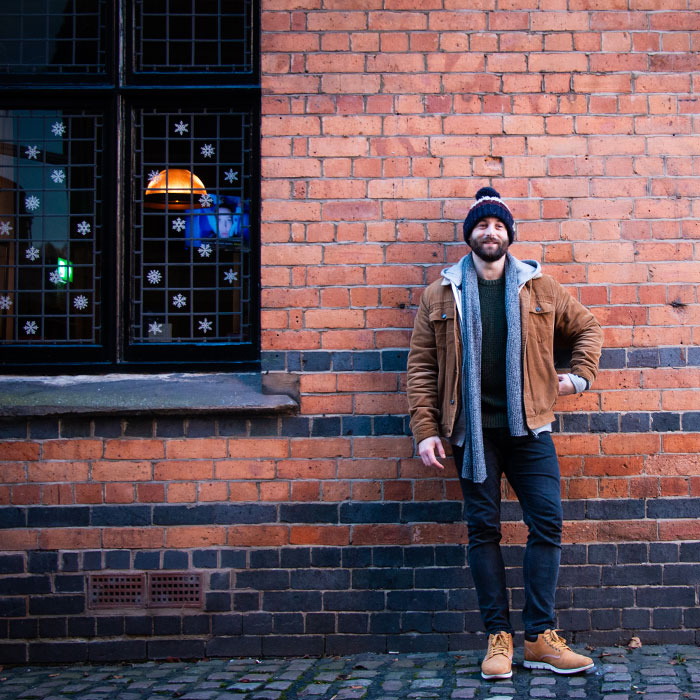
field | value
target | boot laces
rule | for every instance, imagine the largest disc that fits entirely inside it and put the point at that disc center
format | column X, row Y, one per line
column 554, row 640
column 499, row 644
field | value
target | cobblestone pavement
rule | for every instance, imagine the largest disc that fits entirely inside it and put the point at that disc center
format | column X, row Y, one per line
column 652, row 673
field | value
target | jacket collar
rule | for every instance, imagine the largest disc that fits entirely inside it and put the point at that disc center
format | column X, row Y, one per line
column 527, row 270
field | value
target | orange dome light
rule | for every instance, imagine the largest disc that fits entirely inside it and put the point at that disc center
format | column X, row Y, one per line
column 175, row 188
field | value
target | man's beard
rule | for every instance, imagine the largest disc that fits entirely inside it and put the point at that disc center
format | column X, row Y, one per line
column 490, row 256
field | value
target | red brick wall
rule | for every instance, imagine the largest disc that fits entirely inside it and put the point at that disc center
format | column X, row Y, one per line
column 380, row 123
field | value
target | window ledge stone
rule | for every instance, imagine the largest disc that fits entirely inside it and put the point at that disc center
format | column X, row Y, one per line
column 133, row 394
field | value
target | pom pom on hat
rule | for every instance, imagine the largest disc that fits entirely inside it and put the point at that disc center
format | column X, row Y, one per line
column 487, row 192
column 488, row 203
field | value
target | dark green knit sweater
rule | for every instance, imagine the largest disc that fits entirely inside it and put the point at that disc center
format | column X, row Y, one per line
column 494, row 331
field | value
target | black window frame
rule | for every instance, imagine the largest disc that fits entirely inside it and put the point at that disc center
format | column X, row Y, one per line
column 115, row 92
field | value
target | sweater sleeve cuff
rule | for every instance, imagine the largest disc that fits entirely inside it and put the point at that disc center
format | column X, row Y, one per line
column 580, row 384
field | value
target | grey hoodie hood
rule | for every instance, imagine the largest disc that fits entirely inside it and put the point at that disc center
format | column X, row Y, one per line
column 526, row 269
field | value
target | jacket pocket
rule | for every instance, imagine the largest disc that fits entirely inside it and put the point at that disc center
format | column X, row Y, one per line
column 442, row 319
column 541, row 320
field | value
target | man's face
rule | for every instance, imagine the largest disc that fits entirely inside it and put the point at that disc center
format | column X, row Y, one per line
column 489, row 239
column 225, row 222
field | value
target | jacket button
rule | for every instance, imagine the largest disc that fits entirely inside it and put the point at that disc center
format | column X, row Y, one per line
column 444, row 315
column 538, row 308
column 452, row 401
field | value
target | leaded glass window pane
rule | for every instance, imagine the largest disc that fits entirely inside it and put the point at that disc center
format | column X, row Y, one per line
column 180, row 36
column 191, row 264
column 53, row 36
column 50, row 226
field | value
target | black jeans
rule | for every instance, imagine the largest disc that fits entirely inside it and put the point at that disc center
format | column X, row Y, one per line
column 530, row 465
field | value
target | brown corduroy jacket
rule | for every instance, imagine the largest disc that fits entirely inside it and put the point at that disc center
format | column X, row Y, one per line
column 547, row 311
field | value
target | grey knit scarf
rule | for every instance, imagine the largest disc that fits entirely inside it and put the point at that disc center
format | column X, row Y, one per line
column 474, row 465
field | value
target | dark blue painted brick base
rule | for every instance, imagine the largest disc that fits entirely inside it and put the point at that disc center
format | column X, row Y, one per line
column 335, row 600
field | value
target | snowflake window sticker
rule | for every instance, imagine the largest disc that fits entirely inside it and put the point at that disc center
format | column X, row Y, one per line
column 32, row 152
column 230, row 276
column 32, row 202
column 207, row 150
column 30, row 328
column 80, row 302
column 31, row 253
column 83, row 228
column 5, row 302
column 230, row 175
column 55, row 278
column 204, row 250
column 181, row 127
column 5, row 228
column 58, row 128
column 179, row 300
column 58, row 176
column 179, row 224
column 154, row 276
column 155, row 328
column 152, row 174
column 205, row 325
column 206, row 200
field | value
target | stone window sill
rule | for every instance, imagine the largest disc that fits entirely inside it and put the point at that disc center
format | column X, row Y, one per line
column 127, row 394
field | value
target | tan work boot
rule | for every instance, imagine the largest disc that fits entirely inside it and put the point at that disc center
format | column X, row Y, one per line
column 550, row 652
column 498, row 661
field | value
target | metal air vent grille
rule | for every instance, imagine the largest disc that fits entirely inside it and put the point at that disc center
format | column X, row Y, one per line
column 175, row 590
column 116, row 590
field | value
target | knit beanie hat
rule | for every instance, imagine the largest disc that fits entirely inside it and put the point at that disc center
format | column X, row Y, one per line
column 488, row 203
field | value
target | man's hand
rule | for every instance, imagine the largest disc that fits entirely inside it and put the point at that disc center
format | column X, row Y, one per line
column 566, row 386
column 426, row 450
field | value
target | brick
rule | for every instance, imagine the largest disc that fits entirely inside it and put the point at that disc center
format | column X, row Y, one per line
column 559, row 21
column 245, row 469
column 348, row 125
column 449, row 62
column 19, row 451
column 119, row 493
column 689, row 442
column 679, row 400
column 679, row 530
column 380, row 534
column 132, row 538
column 630, row 444
column 260, row 535
column 150, row 493
column 132, row 449
column 253, row 448
column 311, row 448
column 602, row 83
column 69, row 538
column 289, row 167
column 560, row 62
column 193, row 449
column 631, row 400
column 672, row 464
column 194, row 536
column 397, row 21
column 58, row 471
column 11, row 472
column 121, row 470
column 324, row 535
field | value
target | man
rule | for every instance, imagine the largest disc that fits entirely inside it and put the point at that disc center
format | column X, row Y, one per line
column 481, row 374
